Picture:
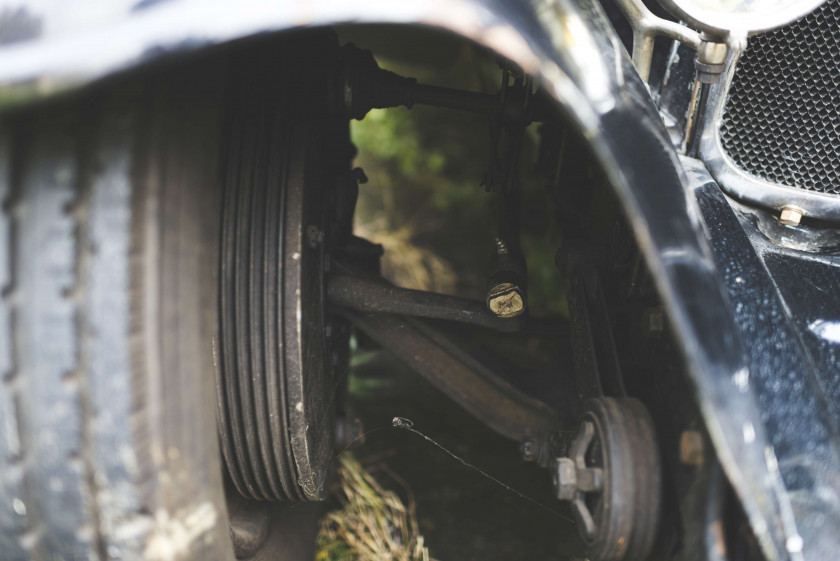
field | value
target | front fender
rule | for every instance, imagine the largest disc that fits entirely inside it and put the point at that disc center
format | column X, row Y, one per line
column 571, row 47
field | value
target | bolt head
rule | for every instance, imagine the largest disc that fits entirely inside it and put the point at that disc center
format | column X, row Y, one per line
column 565, row 479
column 790, row 216
column 506, row 300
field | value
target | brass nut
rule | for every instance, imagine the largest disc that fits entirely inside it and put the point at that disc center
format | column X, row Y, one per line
column 506, row 300
column 790, row 216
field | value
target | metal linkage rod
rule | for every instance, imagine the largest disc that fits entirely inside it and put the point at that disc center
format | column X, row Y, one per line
column 482, row 393
column 455, row 99
column 367, row 86
column 375, row 296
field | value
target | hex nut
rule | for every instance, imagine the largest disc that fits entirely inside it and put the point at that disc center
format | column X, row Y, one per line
column 790, row 216
column 565, row 482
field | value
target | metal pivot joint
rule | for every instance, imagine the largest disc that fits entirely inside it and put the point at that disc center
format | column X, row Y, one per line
column 611, row 476
column 506, row 288
column 507, row 285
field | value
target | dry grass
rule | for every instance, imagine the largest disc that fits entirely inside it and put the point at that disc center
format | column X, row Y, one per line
column 373, row 524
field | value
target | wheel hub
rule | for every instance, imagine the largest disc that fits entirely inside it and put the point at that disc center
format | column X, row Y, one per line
column 611, row 477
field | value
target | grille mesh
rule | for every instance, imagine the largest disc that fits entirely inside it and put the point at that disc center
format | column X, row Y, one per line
column 781, row 121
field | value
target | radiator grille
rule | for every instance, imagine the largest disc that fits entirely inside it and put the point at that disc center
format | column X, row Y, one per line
column 781, row 121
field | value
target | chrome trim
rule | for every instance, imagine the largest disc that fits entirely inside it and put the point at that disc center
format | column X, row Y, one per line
column 646, row 27
column 745, row 186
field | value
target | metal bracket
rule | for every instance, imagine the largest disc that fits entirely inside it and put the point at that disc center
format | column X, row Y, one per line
column 646, row 27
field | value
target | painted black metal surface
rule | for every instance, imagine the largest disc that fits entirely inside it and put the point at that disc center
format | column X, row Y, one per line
column 794, row 383
column 811, row 289
column 597, row 370
column 687, row 279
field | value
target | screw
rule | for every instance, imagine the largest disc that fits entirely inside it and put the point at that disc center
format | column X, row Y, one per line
column 691, row 448
column 506, row 300
column 791, row 216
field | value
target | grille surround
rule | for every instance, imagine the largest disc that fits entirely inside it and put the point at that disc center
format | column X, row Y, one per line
column 780, row 121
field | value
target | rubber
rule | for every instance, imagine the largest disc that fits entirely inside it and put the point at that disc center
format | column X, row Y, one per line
column 285, row 160
column 628, row 513
column 108, row 234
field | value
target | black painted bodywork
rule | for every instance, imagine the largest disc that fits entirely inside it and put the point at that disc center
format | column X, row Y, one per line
column 780, row 298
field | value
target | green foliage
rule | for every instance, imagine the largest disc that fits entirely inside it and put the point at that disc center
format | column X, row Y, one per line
column 391, row 136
